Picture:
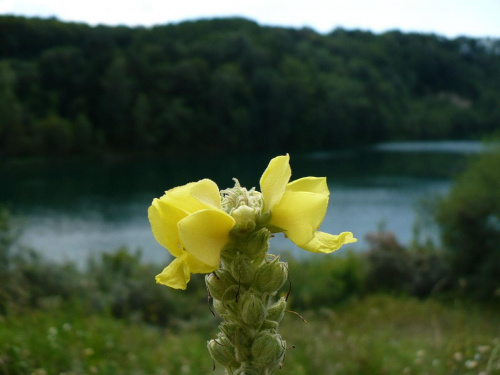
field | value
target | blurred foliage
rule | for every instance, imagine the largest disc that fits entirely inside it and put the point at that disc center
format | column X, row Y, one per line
column 392, row 268
column 386, row 335
column 469, row 218
column 121, row 285
column 325, row 281
column 62, row 340
column 117, row 283
column 219, row 86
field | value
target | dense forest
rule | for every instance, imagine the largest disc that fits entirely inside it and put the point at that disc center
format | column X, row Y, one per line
column 231, row 85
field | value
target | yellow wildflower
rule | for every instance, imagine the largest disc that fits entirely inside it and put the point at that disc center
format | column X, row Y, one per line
column 189, row 222
column 299, row 207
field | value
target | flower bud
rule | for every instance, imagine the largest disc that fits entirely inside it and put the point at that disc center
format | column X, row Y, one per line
column 231, row 294
column 232, row 310
column 245, row 218
column 252, row 309
column 268, row 349
column 219, row 307
column 238, row 337
column 222, row 351
column 246, row 371
column 276, row 311
column 270, row 276
column 256, row 244
column 230, row 331
column 218, row 283
column 269, row 325
column 242, row 269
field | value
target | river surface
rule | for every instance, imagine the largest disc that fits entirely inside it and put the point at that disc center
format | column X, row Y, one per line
column 71, row 210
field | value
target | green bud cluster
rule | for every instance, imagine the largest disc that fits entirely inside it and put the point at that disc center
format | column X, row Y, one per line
column 244, row 292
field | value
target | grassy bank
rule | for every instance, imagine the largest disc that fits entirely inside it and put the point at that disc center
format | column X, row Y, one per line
column 374, row 335
column 385, row 335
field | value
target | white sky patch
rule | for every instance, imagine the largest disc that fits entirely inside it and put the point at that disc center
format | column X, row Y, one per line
column 445, row 17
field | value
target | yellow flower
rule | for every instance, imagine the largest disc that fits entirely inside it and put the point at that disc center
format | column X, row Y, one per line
column 189, row 222
column 298, row 207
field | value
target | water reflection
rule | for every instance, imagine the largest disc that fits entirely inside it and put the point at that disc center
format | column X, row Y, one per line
column 73, row 209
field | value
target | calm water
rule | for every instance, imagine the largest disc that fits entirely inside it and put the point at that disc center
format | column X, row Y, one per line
column 70, row 210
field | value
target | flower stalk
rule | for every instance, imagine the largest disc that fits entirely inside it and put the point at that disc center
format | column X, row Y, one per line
column 244, row 292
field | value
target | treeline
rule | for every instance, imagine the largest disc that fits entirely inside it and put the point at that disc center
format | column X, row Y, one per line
column 230, row 85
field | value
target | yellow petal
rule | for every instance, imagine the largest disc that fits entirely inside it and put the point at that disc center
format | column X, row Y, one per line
column 207, row 192
column 163, row 218
column 195, row 266
column 274, row 179
column 194, row 196
column 327, row 243
column 300, row 215
column 204, row 234
column 176, row 275
column 180, row 197
column 311, row 184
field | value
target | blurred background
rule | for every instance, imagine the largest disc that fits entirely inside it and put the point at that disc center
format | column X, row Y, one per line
column 104, row 106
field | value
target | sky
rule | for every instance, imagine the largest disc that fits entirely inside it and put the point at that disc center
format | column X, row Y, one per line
column 449, row 18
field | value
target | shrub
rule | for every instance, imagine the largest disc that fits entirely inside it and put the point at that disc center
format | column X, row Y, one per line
column 118, row 283
column 325, row 281
column 397, row 269
column 389, row 263
column 469, row 219
column 122, row 283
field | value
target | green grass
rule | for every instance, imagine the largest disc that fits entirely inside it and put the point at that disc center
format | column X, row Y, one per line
column 65, row 342
column 383, row 335
column 376, row 335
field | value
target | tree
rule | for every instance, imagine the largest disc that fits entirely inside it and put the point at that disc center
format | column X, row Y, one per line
column 115, row 103
column 11, row 127
column 469, row 218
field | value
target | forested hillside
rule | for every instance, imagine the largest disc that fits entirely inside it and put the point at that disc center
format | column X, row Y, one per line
column 231, row 85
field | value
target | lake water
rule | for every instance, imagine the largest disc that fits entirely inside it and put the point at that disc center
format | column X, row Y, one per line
column 70, row 210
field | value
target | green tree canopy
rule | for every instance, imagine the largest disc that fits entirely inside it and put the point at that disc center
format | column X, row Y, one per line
column 231, row 85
